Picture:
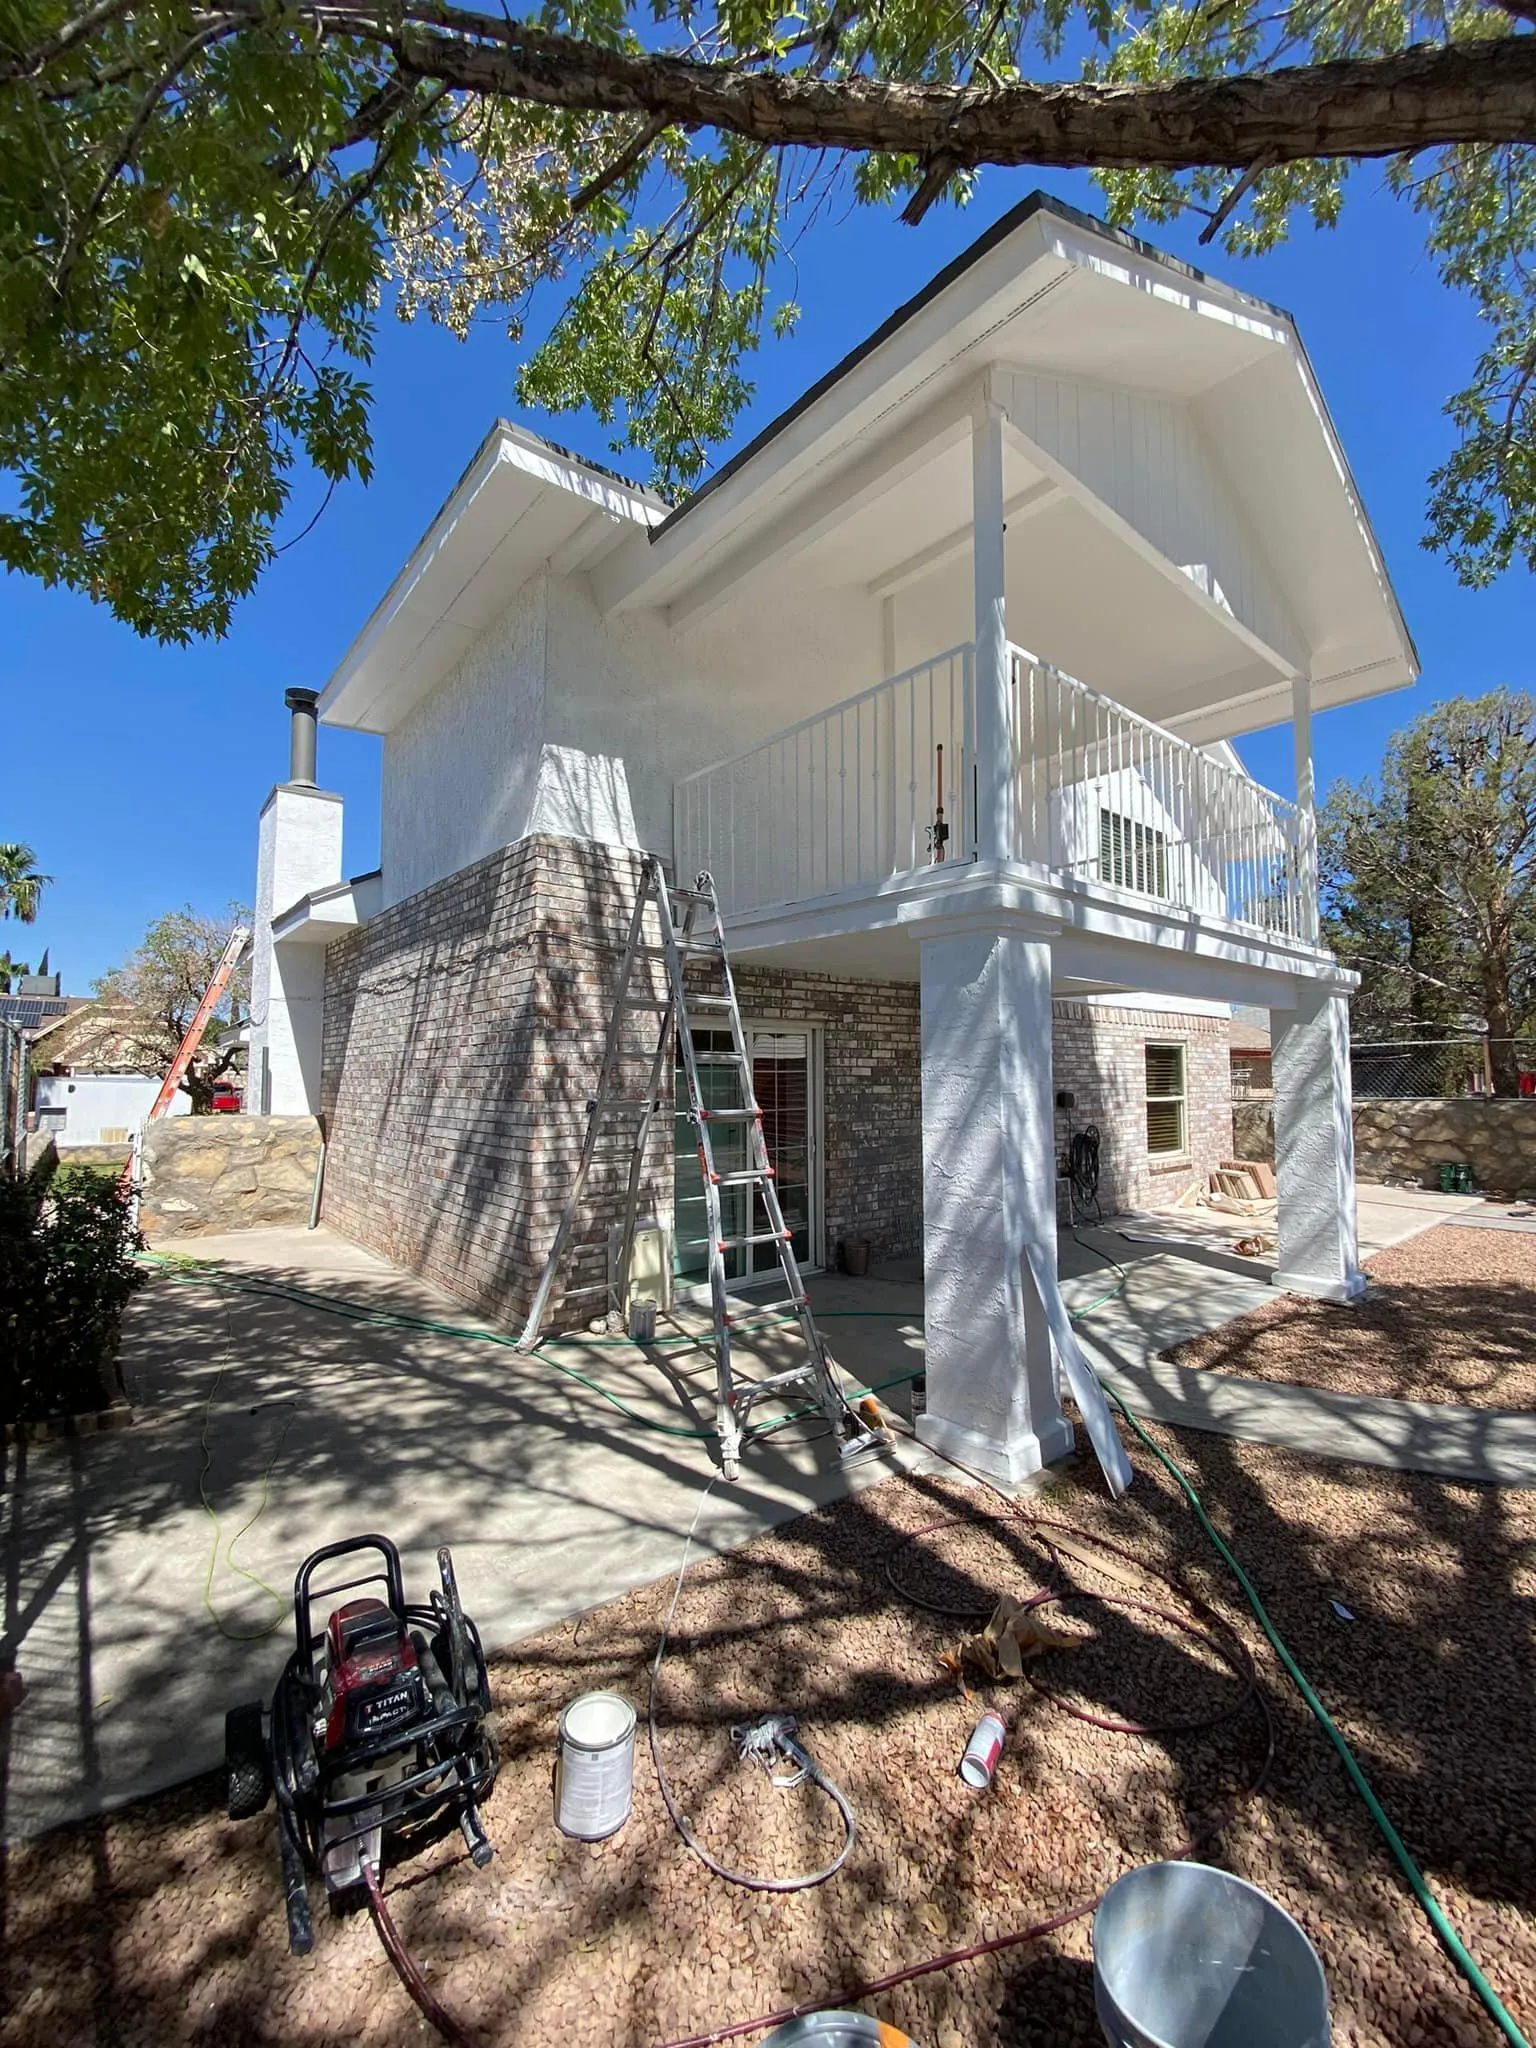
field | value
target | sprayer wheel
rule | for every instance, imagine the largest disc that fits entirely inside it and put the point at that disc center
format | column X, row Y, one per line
column 246, row 1760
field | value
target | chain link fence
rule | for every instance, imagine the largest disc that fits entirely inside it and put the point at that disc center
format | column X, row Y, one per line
column 1439, row 1068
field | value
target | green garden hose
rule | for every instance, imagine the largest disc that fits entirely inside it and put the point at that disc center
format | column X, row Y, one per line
column 1449, row 1939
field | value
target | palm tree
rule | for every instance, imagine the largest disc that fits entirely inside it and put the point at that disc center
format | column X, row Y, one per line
column 21, row 886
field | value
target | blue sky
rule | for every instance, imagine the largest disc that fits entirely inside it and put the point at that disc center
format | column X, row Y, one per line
column 137, row 772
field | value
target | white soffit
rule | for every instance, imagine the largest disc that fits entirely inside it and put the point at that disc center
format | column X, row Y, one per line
column 1064, row 295
column 520, row 501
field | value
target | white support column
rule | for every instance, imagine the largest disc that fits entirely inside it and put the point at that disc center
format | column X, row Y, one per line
column 1306, row 803
column 1315, row 1147
column 994, row 822
column 989, row 1203
column 299, row 851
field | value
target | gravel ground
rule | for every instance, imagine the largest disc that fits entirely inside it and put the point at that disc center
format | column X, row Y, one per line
column 1451, row 1316
column 164, row 1924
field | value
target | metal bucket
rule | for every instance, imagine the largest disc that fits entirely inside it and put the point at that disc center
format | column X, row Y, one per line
column 838, row 2030
column 595, row 1766
column 1189, row 1957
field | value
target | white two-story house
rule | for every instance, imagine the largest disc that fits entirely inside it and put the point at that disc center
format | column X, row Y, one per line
column 1070, row 520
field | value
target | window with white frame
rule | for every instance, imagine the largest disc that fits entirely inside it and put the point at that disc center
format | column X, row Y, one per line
column 1165, row 1100
column 1132, row 855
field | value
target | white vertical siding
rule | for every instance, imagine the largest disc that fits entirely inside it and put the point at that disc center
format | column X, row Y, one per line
column 1146, row 458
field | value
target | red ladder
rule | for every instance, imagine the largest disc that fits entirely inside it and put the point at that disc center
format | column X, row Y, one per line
column 213, row 995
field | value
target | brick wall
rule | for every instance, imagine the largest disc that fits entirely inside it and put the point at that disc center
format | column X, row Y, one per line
column 871, row 1095
column 463, row 1032
column 1099, row 1057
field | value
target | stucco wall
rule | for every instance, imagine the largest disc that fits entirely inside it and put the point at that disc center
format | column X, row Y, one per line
column 459, row 773
column 1410, row 1141
column 637, row 702
column 203, row 1175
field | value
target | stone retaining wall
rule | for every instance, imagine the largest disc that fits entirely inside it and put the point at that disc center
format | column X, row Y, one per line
column 1411, row 1140
column 203, row 1175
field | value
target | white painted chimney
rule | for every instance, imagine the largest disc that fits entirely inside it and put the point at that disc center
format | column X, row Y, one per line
column 299, row 852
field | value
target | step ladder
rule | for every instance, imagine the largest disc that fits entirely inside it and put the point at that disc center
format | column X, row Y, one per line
column 691, row 936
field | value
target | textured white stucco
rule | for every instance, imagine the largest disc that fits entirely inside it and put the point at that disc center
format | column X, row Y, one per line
column 563, row 719
column 299, row 851
column 1318, row 1250
column 460, row 772
column 989, row 1203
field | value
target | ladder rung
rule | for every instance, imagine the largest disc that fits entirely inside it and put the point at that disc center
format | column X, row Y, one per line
column 588, row 1287
column 645, row 1002
column 681, row 895
column 753, row 1177
column 633, row 1106
column 729, row 1116
column 717, row 1059
column 797, row 1376
column 709, row 1003
column 794, row 1302
column 728, row 1244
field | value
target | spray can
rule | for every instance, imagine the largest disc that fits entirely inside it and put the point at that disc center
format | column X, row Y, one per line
column 983, row 1751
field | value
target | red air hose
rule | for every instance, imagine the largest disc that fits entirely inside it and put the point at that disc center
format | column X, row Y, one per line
column 406, row 1970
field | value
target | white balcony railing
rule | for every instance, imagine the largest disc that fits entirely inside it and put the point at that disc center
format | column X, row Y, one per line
column 1109, row 799
column 850, row 796
column 884, row 784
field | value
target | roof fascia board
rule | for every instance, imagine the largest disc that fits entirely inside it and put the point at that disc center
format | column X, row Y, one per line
column 909, row 351
column 506, row 447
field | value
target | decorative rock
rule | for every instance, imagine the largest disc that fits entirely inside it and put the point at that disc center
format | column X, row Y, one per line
column 208, row 1174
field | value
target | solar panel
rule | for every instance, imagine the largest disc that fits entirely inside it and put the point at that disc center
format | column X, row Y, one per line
column 30, row 1011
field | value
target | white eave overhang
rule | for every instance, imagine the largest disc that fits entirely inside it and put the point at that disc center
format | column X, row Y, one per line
column 324, row 914
column 1051, row 288
column 522, row 504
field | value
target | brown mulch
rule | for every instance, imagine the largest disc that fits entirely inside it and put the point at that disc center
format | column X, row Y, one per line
column 1451, row 1316
column 163, row 1925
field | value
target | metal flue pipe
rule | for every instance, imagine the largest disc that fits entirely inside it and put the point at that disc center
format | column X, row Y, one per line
column 301, row 757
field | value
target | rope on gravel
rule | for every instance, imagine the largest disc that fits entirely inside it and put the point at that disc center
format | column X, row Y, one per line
column 804, row 1880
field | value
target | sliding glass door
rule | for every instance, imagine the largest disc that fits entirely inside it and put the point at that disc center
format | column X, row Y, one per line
column 784, row 1079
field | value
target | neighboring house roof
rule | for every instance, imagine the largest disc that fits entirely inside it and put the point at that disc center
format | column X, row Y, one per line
column 33, row 1012
column 1250, row 1031
column 1051, row 304
column 95, row 1038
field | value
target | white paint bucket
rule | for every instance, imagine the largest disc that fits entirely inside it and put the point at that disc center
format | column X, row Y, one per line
column 595, row 1766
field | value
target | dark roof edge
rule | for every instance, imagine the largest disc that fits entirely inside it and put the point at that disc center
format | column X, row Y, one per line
column 1036, row 202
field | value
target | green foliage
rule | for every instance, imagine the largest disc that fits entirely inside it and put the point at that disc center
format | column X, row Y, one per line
column 202, row 216
column 66, row 1272
column 1429, row 876
column 21, row 885
column 161, row 984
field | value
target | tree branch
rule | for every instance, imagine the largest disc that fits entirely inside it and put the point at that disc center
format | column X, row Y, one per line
column 1479, row 91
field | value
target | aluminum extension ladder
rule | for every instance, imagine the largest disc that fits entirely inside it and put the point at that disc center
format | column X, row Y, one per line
column 691, row 933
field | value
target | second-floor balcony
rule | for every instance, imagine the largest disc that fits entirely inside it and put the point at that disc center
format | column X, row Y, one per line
column 1097, row 803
